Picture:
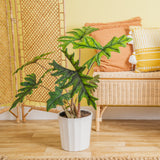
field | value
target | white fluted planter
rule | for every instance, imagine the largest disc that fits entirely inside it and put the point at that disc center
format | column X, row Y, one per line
column 75, row 132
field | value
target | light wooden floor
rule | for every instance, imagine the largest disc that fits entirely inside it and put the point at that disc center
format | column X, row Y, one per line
column 42, row 138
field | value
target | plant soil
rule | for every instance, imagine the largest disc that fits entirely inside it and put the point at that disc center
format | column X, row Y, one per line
column 83, row 114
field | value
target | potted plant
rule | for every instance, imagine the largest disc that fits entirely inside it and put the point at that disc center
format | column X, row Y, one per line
column 72, row 85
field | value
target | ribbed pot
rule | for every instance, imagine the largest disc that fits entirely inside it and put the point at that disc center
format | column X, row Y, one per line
column 75, row 132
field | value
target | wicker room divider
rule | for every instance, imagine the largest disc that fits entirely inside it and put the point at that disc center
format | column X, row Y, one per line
column 8, row 83
column 38, row 24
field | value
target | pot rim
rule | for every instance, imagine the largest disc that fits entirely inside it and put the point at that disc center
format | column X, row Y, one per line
column 91, row 114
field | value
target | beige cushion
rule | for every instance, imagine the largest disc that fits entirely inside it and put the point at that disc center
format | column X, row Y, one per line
column 128, row 74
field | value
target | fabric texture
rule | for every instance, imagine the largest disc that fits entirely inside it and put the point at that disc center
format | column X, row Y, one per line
column 118, row 61
column 146, row 43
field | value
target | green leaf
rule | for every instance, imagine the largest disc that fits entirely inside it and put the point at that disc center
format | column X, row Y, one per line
column 34, row 60
column 61, row 71
column 87, row 42
column 79, row 82
column 74, row 63
column 112, row 46
column 40, row 80
column 27, row 89
column 28, row 86
column 94, row 81
column 77, row 35
column 57, row 98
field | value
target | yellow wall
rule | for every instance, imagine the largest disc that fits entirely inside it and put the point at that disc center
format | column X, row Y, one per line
column 79, row 12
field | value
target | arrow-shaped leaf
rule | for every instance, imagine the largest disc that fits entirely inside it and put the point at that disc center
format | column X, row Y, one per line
column 57, row 98
column 87, row 42
column 77, row 35
column 112, row 46
column 79, row 82
column 28, row 86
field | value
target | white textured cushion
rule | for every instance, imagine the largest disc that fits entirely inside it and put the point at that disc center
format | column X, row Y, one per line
column 146, row 42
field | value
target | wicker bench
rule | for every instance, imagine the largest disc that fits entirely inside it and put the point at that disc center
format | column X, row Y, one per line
column 126, row 89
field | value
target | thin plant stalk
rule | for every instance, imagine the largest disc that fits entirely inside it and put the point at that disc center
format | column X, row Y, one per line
column 66, row 112
column 79, row 111
column 79, row 57
column 45, row 88
column 89, row 69
column 72, row 107
column 79, row 104
column 43, row 67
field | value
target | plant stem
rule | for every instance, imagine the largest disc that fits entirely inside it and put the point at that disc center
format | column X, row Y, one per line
column 45, row 88
column 79, row 57
column 75, row 109
column 89, row 69
column 67, row 113
column 79, row 111
column 72, row 107
column 76, row 100
column 42, row 66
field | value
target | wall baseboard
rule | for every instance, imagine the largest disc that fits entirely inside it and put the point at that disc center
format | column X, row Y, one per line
column 137, row 113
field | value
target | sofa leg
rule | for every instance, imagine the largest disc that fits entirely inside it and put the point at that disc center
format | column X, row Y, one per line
column 99, row 113
column 98, row 118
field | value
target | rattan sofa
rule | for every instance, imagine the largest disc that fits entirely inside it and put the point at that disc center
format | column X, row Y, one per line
column 126, row 89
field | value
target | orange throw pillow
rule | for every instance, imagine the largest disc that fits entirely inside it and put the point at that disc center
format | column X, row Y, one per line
column 118, row 61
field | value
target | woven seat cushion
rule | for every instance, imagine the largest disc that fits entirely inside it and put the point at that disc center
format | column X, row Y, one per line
column 128, row 74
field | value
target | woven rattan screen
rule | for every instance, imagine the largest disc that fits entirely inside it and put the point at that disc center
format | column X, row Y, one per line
column 39, row 23
column 6, row 56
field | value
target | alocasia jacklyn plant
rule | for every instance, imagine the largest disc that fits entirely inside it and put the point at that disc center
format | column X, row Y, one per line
column 72, row 85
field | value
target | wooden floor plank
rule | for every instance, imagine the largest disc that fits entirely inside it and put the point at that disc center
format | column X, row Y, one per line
column 116, row 136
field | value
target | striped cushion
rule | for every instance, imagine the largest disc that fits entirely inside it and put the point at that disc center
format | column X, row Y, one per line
column 146, row 43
